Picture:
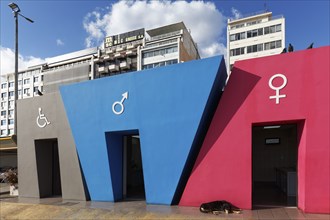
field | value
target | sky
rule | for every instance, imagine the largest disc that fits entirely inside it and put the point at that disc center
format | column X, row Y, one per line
column 66, row 26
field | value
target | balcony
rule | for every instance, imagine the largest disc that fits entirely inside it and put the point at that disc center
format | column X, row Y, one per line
column 125, row 65
column 130, row 53
column 119, row 49
column 102, row 69
column 113, row 68
column 107, row 57
column 131, row 46
column 96, row 60
column 118, row 55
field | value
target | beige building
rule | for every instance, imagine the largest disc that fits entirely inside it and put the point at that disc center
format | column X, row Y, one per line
column 253, row 36
column 140, row 49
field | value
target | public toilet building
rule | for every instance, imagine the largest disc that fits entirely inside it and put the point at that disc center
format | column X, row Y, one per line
column 173, row 135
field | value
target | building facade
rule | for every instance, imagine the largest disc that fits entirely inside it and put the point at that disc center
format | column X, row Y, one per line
column 254, row 36
column 44, row 78
column 140, row 49
column 168, row 45
column 189, row 151
column 126, row 52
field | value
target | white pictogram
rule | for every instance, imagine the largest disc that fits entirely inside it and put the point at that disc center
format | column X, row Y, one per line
column 277, row 95
column 42, row 120
column 120, row 103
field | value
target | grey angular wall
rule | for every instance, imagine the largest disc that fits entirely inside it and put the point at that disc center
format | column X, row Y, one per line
column 28, row 132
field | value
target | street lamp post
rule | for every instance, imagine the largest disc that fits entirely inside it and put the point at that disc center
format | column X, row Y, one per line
column 14, row 7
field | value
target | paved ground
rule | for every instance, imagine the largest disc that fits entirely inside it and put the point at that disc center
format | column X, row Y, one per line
column 55, row 208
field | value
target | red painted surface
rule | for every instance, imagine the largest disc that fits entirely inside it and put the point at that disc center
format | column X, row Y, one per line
column 223, row 169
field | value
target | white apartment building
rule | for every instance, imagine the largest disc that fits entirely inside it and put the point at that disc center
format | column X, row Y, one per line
column 253, row 36
column 43, row 78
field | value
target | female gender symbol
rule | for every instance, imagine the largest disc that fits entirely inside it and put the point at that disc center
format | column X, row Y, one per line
column 277, row 96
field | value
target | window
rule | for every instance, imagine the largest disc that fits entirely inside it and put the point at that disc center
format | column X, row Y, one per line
column 3, row 132
column 3, row 104
column 160, row 52
column 26, row 81
column 11, row 94
column 11, row 84
column 35, row 89
column 273, row 45
column 278, row 28
column 3, row 95
column 232, row 37
column 237, row 36
column 36, row 79
column 170, row 62
column 42, row 78
column 253, row 22
column 11, row 121
column 26, row 91
column 3, row 113
column 237, row 51
column 11, row 104
column 3, row 122
column 166, row 63
column 11, row 131
column 254, row 33
column 238, row 26
column 3, row 85
column 254, row 48
column 11, row 112
column 19, row 92
column 20, row 82
column 273, row 29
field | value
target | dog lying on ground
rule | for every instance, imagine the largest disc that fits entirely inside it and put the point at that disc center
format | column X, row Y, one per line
column 216, row 207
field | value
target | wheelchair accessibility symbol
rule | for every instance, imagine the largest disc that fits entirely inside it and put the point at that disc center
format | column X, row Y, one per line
column 120, row 106
column 42, row 120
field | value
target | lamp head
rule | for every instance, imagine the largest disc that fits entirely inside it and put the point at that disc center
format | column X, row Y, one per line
column 14, row 7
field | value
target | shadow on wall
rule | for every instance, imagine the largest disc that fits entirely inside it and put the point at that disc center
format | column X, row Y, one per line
column 233, row 102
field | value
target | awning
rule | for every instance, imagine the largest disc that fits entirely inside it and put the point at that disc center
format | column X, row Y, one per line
column 8, row 143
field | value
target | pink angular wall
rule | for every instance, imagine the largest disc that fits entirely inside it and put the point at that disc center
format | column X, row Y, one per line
column 223, row 169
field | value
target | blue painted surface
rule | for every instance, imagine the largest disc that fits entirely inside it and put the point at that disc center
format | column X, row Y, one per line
column 164, row 104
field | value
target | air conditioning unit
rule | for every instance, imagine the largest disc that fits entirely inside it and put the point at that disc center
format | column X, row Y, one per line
column 124, row 65
column 130, row 53
column 113, row 68
column 102, row 69
column 117, row 55
column 107, row 57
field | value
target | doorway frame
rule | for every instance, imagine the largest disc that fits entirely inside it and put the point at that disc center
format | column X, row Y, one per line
column 45, row 190
column 301, row 145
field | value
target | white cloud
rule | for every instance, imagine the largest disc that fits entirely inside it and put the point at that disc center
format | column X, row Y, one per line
column 236, row 13
column 205, row 21
column 59, row 42
column 7, row 61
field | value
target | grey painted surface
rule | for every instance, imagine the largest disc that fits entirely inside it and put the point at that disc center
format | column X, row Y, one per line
column 53, row 79
column 28, row 132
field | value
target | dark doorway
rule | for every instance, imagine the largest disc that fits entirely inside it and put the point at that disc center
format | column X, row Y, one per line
column 133, row 182
column 48, row 168
column 274, row 165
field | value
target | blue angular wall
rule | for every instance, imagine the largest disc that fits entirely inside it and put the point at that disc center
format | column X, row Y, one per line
column 165, row 105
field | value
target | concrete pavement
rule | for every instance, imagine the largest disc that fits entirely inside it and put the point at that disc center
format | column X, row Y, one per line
column 56, row 208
